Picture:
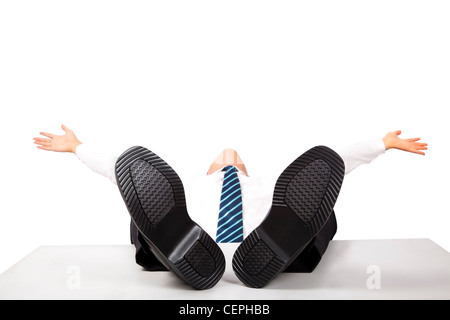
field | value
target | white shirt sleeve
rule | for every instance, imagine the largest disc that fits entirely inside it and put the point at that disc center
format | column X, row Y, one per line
column 360, row 153
column 100, row 162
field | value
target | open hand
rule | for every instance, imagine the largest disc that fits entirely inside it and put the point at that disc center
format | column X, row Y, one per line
column 392, row 141
column 67, row 142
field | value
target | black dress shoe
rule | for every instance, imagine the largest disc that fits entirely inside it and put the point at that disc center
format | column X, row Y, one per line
column 154, row 196
column 303, row 200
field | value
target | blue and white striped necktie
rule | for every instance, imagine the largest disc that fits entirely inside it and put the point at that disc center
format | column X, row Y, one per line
column 229, row 227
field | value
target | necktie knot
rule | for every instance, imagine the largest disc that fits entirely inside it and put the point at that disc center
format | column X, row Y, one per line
column 229, row 169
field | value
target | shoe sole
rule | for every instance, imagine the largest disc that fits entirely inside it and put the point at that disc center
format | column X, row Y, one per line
column 303, row 200
column 154, row 196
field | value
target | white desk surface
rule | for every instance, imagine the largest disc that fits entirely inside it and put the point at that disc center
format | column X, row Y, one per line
column 408, row 269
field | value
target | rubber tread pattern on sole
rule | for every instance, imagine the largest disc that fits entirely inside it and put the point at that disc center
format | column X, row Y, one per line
column 305, row 192
column 255, row 271
column 203, row 273
column 153, row 190
column 336, row 164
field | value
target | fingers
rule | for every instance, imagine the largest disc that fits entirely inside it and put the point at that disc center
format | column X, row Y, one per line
column 44, row 148
column 42, row 142
column 51, row 135
column 65, row 128
column 398, row 132
column 48, row 135
column 415, row 144
column 418, row 147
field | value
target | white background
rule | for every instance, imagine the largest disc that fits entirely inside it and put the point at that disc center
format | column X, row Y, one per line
column 169, row 75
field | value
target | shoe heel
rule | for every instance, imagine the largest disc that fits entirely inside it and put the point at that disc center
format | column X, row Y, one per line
column 203, row 264
column 255, row 264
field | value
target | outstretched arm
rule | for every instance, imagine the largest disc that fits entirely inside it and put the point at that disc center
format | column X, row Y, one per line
column 392, row 141
column 67, row 142
column 365, row 152
column 98, row 161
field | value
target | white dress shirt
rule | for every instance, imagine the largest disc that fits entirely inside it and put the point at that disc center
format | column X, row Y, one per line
column 203, row 192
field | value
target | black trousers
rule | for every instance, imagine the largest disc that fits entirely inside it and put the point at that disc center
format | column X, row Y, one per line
column 307, row 261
